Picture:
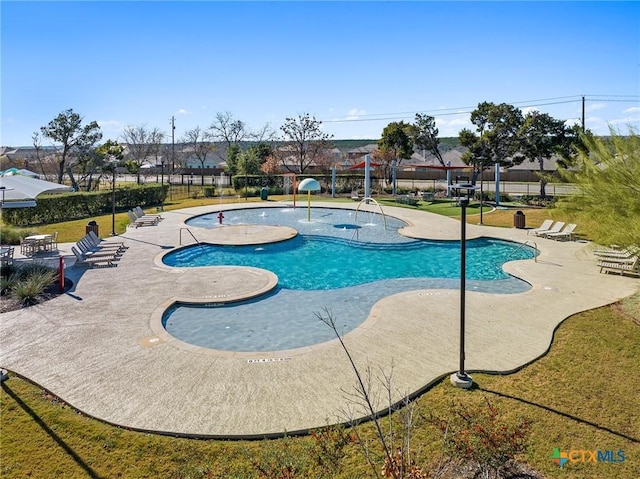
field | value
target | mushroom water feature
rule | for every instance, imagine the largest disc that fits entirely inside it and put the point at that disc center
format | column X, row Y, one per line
column 309, row 185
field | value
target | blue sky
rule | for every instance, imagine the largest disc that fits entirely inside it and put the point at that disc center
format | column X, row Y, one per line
column 354, row 65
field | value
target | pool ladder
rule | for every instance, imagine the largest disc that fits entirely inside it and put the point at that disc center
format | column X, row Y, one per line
column 191, row 234
column 535, row 256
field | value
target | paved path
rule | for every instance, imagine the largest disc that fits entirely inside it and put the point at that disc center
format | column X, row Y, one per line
column 100, row 349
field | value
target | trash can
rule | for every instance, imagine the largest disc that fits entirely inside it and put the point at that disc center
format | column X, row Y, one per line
column 92, row 226
column 264, row 193
column 519, row 220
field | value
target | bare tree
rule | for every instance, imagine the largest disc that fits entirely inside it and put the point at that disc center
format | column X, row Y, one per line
column 304, row 141
column 142, row 143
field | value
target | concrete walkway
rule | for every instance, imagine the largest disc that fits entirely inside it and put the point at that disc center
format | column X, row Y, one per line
column 100, row 348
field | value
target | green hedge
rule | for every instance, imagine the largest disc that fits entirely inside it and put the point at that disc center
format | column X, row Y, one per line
column 71, row 206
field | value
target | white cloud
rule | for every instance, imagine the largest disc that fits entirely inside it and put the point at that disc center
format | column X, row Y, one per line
column 355, row 114
column 529, row 109
column 111, row 128
column 183, row 111
column 633, row 109
column 595, row 106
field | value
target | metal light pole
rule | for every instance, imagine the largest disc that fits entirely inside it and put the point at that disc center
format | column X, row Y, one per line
column 113, row 200
column 461, row 379
column 162, row 173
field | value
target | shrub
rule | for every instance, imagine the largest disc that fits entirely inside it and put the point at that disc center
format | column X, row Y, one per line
column 480, row 435
column 12, row 235
column 26, row 283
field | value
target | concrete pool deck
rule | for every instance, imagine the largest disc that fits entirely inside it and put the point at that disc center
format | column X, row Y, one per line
column 99, row 349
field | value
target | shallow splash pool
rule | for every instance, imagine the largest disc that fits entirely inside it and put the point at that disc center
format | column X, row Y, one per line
column 340, row 261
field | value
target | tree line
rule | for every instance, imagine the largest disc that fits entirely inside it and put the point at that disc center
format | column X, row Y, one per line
column 503, row 135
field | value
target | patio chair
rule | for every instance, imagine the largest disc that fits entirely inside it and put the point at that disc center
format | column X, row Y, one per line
column 565, row 234
column 554, row 229
column 545, row 226
column 91, row 261
column 6, row 257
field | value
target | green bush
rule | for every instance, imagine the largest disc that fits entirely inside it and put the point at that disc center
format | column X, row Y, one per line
column 12, row 235
column 69, row 206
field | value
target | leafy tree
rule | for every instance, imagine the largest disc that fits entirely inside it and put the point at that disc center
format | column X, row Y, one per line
column 396, row 144
column 542, row 136
column 304, row 141
column 142, row 143
column 249, row 162
column 197, row 142
column 607, row 173
column 498, row 127
column 67, row 129
column 426, row 136
column 233, row 155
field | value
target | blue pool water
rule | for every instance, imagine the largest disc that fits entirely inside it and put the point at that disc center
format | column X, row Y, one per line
column 341, row 261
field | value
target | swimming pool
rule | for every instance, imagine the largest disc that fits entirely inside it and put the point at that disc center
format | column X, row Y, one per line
column 341, row 261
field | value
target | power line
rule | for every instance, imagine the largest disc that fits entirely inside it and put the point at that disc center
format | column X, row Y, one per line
column 469, row 109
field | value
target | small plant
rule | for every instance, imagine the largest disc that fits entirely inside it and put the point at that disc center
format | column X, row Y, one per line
column 328, row 448
column 26, row 283
column 481, row 436
column 28, row 289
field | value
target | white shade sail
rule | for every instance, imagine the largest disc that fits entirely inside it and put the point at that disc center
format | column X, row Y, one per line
column 20, row 188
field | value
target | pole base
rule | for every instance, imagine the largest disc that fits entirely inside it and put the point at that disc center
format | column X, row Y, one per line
column 461, row 381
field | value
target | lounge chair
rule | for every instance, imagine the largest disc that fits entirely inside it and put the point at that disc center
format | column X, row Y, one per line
column 91, row 261
column 565, row 234
column 105, row 244
column 355, row 196
column 631, row 266
column 617, row 253
column 136, row 222
column 554, row 229
column 138, row 211
column 86, row 247
column 545, row 226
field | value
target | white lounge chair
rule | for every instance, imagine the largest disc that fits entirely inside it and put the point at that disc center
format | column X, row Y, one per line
column 565, row 234
column 92, row 261
column 136, row 222
column 89, row 249
column 631, row 266
column 545, row 226
column 139, row 212
column 554, row 229
column 105, row 244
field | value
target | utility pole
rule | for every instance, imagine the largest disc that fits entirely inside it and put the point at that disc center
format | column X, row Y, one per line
column 173, row 144
column 583, row 114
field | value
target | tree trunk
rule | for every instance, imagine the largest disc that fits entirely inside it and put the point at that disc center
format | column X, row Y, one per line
column 543, row 182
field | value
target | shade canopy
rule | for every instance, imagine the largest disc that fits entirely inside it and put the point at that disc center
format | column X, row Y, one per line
column 16, row 171
column 20, row 188
column 362, row 164
column 440, row 167
column 309, row 184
